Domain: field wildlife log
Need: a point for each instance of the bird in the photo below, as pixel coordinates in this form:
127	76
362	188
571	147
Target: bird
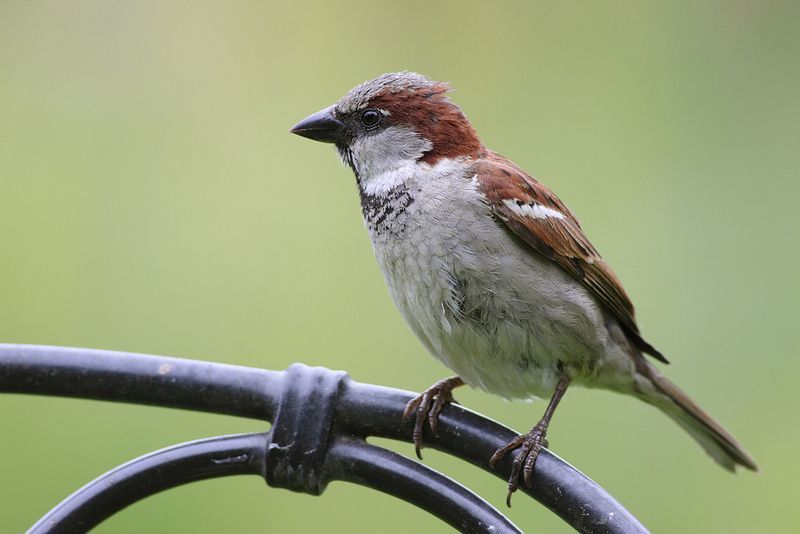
491	270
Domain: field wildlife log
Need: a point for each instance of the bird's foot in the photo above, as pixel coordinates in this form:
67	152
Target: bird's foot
531	445
428	405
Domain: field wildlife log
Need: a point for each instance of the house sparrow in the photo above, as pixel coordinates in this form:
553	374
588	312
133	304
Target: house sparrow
490	269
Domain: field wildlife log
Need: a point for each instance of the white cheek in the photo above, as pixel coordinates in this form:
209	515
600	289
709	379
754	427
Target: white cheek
386	159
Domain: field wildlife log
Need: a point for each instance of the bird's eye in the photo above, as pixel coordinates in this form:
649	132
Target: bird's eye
370	118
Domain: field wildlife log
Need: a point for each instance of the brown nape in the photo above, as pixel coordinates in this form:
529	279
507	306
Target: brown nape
433	116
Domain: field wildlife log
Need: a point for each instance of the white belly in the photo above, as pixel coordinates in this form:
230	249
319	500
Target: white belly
500	315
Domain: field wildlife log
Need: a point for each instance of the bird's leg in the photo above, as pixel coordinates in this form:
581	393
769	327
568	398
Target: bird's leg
428	405
530	443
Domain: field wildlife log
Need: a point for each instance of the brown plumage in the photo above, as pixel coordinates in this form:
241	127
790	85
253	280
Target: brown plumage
446	128
560	239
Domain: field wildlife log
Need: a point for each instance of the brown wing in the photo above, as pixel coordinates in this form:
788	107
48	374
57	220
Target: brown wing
538	217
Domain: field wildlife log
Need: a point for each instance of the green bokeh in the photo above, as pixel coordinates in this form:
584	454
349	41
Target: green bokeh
151	200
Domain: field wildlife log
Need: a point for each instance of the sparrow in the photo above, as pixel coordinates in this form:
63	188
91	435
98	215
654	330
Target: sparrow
490	270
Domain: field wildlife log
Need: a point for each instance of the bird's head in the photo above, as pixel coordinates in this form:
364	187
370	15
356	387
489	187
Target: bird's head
392	122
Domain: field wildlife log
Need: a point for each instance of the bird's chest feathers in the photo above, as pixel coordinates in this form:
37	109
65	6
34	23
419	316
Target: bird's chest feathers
413	222
414	256
501	317
423	234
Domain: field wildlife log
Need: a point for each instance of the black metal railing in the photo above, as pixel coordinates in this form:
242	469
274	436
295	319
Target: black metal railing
320	419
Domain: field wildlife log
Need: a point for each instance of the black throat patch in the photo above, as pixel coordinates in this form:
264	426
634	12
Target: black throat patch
383	213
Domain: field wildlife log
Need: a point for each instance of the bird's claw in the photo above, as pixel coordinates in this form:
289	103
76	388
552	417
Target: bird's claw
427	406
531	445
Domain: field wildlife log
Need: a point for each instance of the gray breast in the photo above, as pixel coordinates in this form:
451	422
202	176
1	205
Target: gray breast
499	315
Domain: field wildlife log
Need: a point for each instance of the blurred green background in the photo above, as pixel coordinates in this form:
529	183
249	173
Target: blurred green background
151	200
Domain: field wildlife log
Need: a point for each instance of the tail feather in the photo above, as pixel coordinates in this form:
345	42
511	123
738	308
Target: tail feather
718	442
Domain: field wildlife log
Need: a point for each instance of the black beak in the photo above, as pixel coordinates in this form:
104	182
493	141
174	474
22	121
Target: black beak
322	126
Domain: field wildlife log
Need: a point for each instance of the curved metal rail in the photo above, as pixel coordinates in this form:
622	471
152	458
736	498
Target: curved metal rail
319	421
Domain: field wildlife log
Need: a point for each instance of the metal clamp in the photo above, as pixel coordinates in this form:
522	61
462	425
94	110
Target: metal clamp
301	432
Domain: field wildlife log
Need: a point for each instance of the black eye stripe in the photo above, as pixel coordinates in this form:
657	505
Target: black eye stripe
370	118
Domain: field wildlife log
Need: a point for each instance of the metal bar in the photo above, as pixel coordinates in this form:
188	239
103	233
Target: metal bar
360	409
354	460
155	472
138	378
350	460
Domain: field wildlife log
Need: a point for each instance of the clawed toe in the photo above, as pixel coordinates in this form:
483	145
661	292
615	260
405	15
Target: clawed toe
420	407
427	406
530	446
